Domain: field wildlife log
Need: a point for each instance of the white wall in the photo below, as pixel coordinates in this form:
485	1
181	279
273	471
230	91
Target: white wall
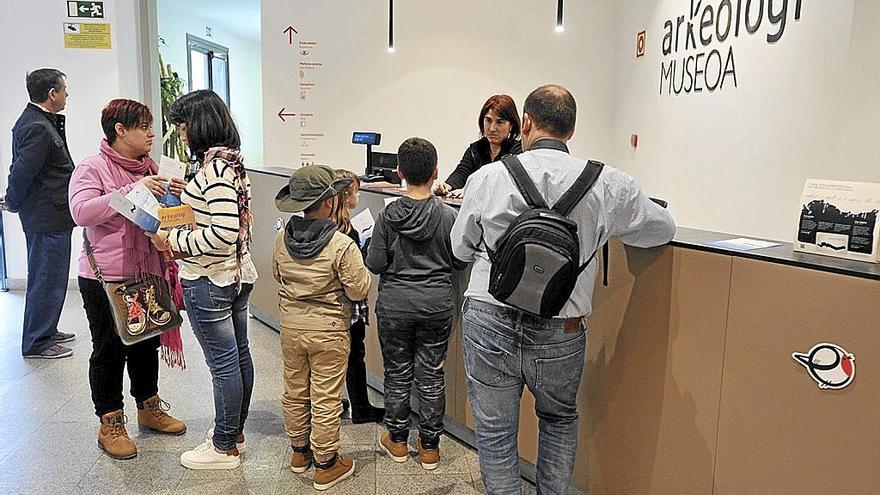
235	25
450	56
31	37
735	160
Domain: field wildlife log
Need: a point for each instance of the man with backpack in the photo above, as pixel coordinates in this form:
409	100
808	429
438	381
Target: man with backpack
531	285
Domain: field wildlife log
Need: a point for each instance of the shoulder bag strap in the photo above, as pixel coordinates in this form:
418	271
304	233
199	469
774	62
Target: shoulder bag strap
523	182
579	189
91	256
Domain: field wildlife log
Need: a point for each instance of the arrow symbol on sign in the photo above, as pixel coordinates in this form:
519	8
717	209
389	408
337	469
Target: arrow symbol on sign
83	9
290	31
281	115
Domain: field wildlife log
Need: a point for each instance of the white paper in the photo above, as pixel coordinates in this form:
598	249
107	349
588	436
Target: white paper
144	199
131	211
363	221
170	168
122	205
743	244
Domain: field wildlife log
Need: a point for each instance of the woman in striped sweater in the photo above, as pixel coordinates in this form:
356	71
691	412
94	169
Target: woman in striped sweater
218	275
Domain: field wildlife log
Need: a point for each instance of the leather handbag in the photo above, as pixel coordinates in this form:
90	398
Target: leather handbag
142	308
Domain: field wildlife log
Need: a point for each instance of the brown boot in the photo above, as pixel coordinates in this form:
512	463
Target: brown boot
398	451
328	474
113	438
152	415
429	458
301	459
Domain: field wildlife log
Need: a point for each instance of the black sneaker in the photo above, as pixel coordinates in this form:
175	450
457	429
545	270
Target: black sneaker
61	337
54	352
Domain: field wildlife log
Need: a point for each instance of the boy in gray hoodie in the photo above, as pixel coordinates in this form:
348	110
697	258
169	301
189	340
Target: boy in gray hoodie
412	254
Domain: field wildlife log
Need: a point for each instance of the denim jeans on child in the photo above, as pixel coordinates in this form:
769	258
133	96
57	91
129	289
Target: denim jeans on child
504	349
415	349
218	316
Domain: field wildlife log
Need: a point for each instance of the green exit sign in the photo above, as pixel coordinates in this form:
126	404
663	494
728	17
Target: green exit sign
91	10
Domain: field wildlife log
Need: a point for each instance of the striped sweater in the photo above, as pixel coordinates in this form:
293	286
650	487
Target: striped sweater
212	196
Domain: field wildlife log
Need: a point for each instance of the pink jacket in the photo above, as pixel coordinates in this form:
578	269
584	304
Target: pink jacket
90	189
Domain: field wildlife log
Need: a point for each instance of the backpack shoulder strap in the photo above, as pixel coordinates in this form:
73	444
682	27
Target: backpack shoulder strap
579	189
523	182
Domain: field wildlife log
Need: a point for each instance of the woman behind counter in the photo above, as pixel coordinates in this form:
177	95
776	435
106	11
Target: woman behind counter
499	135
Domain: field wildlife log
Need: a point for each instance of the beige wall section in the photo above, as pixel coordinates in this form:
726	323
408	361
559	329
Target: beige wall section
778	432
651	387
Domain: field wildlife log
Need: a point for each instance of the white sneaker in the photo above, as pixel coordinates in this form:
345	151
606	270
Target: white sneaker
238	445
205	456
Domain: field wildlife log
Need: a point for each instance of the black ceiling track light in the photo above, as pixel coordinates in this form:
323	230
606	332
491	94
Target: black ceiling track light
390	26
559	25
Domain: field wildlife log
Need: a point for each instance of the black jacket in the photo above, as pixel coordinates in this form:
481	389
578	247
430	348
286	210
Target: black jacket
477	155
411	251
40	172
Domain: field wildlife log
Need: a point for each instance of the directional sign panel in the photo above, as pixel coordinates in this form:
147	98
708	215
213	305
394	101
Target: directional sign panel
90	10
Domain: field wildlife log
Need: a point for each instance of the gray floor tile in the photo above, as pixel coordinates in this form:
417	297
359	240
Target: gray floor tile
38	488
149	472
427	484
209	486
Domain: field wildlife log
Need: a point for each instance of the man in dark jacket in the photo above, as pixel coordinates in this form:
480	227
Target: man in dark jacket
411	251
37	191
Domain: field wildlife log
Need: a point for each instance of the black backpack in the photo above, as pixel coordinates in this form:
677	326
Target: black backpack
537	260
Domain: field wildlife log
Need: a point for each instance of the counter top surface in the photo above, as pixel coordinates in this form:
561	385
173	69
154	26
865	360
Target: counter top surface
689	238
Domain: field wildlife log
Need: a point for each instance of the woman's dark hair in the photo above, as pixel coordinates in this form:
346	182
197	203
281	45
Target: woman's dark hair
506	109
41	81
208	122
129	113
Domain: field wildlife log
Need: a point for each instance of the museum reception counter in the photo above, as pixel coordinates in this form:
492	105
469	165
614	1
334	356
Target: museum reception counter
690	385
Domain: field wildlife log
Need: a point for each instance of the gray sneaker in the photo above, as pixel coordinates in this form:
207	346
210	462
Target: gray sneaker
61	337
53	352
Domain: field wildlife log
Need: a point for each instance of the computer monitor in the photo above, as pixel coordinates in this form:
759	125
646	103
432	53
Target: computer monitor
385	164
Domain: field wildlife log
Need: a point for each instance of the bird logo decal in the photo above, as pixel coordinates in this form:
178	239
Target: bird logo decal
830	365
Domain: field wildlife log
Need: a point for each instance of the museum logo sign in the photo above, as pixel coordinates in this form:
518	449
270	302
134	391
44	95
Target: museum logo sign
698	52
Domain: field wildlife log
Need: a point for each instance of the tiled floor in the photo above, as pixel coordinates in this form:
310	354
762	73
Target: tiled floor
48	430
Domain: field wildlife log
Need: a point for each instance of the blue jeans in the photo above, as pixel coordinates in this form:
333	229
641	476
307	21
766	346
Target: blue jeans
503	349
48	262
219	320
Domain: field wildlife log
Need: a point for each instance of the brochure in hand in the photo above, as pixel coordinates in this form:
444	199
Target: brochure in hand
142	208
139	206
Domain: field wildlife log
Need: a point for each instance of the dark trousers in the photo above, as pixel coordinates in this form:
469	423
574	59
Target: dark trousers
110	355
48	265
415	349
356	376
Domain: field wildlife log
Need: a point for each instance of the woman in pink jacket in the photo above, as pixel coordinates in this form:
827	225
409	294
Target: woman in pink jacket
121	252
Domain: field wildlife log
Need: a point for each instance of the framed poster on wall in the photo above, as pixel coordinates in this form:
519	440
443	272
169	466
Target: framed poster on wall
839	219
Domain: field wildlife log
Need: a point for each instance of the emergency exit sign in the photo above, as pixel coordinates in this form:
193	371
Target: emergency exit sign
91	10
